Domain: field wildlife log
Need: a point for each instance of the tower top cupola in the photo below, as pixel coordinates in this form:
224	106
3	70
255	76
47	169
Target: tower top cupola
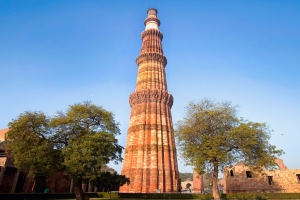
152	22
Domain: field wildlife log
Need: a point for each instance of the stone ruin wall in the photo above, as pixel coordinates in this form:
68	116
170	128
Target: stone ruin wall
198	184
282	181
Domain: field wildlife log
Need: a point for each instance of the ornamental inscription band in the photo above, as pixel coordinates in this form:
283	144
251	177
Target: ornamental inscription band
151	96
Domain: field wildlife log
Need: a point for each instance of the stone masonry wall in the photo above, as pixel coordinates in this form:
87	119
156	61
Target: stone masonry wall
282	180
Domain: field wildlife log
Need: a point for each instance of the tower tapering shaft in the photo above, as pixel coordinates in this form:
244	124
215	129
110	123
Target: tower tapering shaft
150	159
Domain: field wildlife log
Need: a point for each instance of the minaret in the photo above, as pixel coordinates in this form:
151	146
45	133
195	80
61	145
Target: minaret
150	159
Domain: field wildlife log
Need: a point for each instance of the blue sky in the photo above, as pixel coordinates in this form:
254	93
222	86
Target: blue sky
57	53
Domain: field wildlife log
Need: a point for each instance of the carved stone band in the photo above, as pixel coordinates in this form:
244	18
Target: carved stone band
144	96
152	19
151	56
152	32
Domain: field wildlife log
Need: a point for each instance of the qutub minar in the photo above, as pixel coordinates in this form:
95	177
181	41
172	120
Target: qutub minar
150	159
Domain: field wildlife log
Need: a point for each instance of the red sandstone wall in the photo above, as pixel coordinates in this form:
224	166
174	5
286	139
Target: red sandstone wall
198	184
7	180
59	184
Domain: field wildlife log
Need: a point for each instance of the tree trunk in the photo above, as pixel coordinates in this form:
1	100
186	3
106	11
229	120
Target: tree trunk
33	186
72	185
215	191
95	189
90	188
80	195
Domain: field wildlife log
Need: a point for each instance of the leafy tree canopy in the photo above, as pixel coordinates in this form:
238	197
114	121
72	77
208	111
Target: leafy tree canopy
110	180
211	136
28	142
185	176
80	141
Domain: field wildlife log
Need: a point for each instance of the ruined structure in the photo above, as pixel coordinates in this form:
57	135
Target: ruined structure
187	186
198	184
13	180
240	178
8	173
150	159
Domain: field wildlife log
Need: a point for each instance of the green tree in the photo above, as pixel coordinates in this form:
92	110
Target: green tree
211	136
29	146
80	140
110	181
185	176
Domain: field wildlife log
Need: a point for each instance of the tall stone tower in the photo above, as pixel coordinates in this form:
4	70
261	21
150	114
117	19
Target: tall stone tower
150	159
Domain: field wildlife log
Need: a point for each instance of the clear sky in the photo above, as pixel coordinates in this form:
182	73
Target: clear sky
57	53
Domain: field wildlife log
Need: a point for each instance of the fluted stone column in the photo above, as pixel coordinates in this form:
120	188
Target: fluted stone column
150	159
